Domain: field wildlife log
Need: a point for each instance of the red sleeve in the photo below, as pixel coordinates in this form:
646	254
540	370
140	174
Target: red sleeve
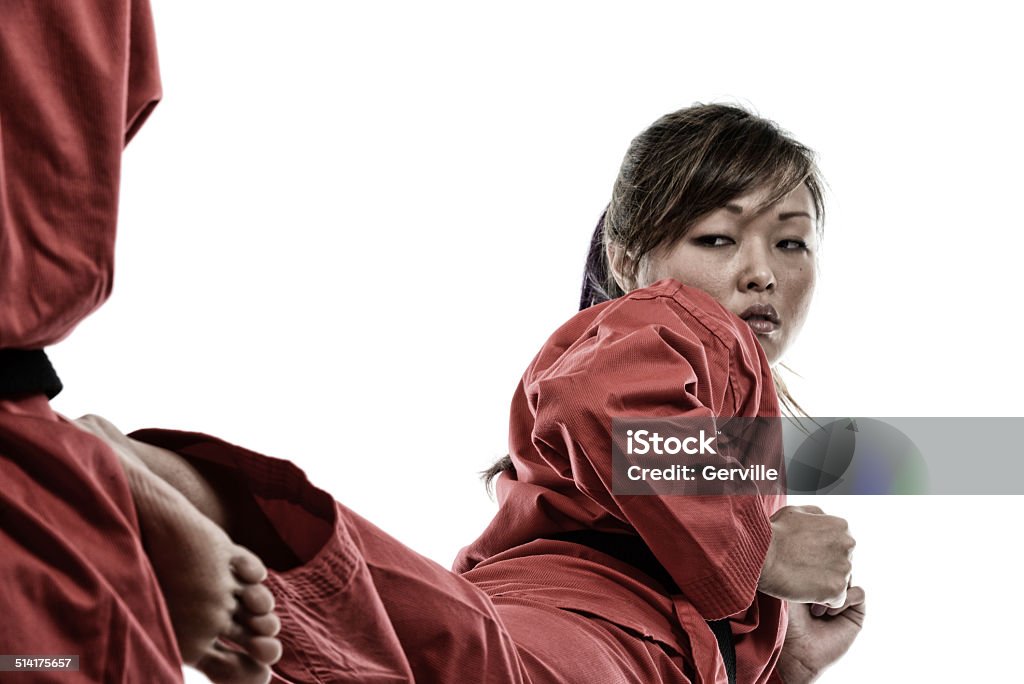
662	356
77	80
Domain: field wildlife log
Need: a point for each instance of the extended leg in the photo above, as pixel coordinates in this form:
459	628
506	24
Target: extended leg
355	604
212	586
363	607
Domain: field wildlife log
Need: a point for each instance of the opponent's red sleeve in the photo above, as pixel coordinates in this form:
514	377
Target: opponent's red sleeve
77	80
663	355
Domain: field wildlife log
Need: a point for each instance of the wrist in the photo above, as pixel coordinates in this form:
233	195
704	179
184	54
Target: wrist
766	581
793	671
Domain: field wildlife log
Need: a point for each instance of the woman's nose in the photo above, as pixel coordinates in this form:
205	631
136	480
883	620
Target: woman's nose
757	273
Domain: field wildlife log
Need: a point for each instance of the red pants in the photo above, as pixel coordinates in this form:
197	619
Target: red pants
368	609
365	608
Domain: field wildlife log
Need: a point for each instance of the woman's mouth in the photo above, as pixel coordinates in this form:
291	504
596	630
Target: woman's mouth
762	318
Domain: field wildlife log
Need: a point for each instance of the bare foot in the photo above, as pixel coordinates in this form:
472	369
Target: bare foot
213	587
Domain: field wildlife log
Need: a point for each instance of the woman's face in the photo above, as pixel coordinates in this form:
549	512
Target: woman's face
762	266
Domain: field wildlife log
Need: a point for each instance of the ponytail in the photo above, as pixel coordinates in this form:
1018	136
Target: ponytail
595	273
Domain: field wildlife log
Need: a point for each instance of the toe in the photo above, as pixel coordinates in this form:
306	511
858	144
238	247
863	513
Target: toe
267	624
248	568
262	649
266	650
257	599
224	665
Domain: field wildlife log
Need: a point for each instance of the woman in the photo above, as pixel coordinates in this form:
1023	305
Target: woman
708	257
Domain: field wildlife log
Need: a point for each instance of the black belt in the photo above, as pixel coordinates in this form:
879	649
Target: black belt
27	372
632	550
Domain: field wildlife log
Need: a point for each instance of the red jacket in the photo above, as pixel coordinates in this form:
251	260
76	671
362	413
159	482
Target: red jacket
662	351
77	80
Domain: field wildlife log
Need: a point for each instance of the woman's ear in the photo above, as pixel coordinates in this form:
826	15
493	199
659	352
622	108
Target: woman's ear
621	265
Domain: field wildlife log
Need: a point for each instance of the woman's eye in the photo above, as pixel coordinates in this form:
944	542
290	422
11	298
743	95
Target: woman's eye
714	240
793	244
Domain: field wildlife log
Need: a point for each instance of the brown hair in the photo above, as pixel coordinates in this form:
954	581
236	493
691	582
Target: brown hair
685	165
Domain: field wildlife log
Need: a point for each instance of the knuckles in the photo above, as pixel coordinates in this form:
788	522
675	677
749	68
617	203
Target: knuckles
836	585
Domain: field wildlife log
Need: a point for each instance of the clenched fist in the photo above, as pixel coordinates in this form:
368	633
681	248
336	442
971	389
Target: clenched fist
809	559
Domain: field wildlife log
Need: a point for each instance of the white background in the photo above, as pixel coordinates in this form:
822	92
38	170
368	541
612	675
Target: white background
348	228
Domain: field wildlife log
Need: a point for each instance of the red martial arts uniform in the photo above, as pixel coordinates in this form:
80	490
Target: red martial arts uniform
77	80
527	606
